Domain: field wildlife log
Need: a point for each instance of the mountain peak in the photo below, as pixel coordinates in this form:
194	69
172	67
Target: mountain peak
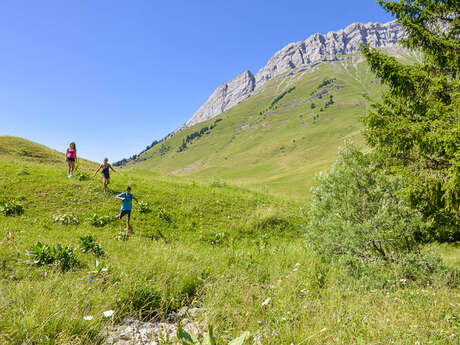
315	49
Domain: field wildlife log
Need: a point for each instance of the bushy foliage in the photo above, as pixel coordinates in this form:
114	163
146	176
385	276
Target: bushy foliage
415	129
185	338
11	208
215	238
81	175
280	97
359	219
58	255
143	207
66	219
356	210
89	245
99	221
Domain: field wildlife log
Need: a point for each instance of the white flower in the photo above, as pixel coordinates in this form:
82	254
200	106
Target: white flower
267	301
108	313
402	280
295	269
87	317
297	264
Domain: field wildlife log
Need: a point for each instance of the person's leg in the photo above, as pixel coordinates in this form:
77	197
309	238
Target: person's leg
72	167
128	217
68	168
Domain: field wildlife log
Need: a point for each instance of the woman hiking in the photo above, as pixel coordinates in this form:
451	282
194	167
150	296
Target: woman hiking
105	172
71	157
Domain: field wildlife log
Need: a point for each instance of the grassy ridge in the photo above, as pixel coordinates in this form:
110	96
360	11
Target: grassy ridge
222	248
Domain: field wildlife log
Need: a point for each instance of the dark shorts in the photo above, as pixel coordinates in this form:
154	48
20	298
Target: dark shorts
106	176
68	159
123	213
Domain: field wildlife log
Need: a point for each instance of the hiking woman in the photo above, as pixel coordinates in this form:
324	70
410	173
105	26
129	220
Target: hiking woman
71	158
105	172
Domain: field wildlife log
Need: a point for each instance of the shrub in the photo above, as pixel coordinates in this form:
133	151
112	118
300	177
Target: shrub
88	245
215	238
356	210
122	237
99	221
165	216
185	338
11	208
143	207
358	218
59	255
81	175
66	219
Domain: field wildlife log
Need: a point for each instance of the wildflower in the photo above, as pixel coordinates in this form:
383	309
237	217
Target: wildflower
295	269
297	264
90	280
266	301
264	287
402	280
259	338
108	313
87	317
348	318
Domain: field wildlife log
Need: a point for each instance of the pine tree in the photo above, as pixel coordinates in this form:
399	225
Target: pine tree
415	129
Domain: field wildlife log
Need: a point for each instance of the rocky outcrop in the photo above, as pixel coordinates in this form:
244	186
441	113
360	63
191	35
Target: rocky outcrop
225	97
298	57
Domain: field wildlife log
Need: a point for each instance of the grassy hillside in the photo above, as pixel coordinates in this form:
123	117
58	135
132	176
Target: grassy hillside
19	149
223	249
277	140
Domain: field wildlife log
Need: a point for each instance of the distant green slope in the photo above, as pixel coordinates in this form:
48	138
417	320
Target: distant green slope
19	149
277	149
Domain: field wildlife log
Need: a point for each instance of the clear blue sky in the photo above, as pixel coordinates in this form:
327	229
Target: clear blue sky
115	75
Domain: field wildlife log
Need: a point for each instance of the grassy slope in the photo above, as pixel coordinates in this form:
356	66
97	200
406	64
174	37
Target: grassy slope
281	150
222	245
19	149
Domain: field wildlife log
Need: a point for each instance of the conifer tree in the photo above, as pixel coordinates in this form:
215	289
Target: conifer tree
415	129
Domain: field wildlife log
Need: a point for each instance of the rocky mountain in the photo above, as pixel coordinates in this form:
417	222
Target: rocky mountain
297	57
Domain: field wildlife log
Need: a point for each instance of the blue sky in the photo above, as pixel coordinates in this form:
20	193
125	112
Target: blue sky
115	75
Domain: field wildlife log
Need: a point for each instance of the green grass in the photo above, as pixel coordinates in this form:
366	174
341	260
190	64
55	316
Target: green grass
224	248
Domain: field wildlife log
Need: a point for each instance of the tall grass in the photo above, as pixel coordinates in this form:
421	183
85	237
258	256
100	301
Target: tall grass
258	277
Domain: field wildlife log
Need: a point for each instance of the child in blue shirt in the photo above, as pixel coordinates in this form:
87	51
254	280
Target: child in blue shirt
126	206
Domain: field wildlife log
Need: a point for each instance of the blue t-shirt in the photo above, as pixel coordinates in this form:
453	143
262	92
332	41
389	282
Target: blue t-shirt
127	203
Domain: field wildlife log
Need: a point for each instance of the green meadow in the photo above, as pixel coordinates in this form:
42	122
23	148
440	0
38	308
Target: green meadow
238	254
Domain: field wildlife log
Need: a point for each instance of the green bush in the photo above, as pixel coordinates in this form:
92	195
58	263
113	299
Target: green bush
81	175
11	208
66	219
358	218
215	238
88	245
59	255
99	221
143	207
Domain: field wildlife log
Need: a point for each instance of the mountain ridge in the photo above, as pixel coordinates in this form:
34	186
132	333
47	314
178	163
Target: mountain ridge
297	57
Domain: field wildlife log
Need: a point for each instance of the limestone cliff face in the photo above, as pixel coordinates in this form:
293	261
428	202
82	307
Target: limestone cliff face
225	97
315	49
